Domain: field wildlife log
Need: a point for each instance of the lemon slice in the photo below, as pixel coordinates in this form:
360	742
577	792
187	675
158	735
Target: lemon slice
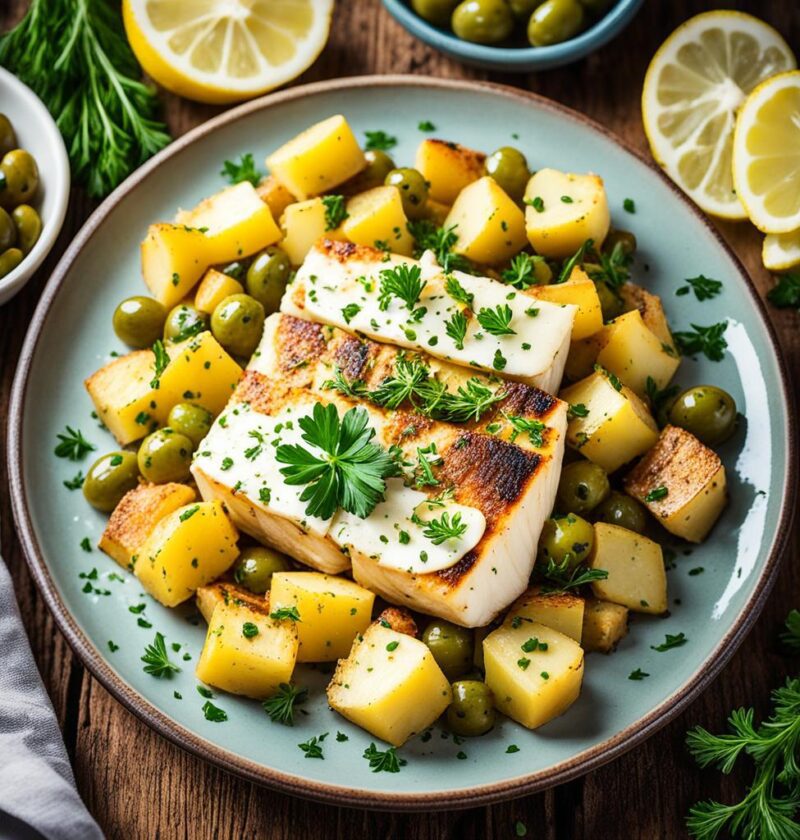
694	86
781	251
222	51
766	154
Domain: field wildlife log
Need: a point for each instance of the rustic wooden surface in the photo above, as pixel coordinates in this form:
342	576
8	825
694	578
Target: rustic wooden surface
140	786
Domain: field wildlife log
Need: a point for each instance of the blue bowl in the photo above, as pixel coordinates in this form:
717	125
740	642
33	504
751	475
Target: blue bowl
516	59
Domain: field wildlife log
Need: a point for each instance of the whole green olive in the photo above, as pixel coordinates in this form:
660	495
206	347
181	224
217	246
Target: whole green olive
379	165
567	538
109	478
9	260
583	485
237	324
255	566
610	302
436	12
620	509
555	21
624	238
706	411
190	420
413	190
183	321
19	178
483	21
139	321
523	9
165	456
472	711
451	646
267	277
8	137
29	226
8	231
509	169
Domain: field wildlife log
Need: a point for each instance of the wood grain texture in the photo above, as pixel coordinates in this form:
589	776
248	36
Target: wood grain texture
140	786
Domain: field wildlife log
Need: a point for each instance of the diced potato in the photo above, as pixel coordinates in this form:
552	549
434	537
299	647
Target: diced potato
303	224
214	288
389	685
376	216
320	158
137	514
582	357
436	211
557	228
490	226
580	291
561	611
275	195
333	611
604	626
247	652
633	352
448	168
532	685
682	482
617	426
227	592
174	258
635	565
651	309
188	548
235	223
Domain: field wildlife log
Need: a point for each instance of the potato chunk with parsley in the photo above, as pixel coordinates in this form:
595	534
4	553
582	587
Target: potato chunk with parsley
214	288
376	217
604	626
303	224
448	168
561	611
174	258
580	291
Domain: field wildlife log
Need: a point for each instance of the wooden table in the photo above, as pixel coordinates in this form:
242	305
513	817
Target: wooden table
140	786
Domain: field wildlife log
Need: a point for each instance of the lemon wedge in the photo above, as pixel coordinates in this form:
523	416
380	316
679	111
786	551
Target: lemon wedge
781	251
221	51
694	86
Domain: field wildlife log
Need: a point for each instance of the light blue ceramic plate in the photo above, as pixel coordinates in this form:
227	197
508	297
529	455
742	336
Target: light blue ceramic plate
71	336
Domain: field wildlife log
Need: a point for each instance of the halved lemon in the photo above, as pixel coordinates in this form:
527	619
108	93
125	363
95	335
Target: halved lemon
221	51
694	86
781	251
766	154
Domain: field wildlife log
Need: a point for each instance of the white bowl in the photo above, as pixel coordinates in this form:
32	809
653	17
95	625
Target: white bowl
37	133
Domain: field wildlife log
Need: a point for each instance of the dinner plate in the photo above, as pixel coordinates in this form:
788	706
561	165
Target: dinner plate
716	590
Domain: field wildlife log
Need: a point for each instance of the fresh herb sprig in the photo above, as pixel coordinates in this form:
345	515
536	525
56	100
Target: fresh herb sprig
497	321
73	445
243	169
403	282
785	294
704	288
156	659
709	341
561	577
440	530
335	211
281	706
522	272
386	761
428	237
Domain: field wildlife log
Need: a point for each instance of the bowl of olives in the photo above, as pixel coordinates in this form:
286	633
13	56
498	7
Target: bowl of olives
34	184
515	35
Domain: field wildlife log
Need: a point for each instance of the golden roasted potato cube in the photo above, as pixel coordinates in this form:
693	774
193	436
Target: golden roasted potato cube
247	652
333	611
188	548
635	565
682	482
634	353
616	426
275	195
564	210
320	158
580	291
561	611
227	592
448	168
582	357
213	289
604	625
174	258
376	216
303	224
651	309
389	685
489	224
534	672
138	512
436	211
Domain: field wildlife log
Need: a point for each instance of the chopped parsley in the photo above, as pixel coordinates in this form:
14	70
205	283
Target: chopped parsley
76	482
379	141
281	706
157	662
534	428
704	288
286	613
577	410
402	282
350	311
629	205
313	747
458	292
160	362
656	494
456	328
522	272
638	674
86	544
537	202
426	125
499	361
72	445
189	513
214	713
249	630
443	529
670	642
707	340
335	211
497	321
386	761
785	294
241	170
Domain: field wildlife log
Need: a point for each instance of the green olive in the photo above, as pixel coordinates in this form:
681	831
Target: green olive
509	169
472	711
267	278
237	269
255	566
567	538
19	178
139	321
620	509
8	231
483	21
437	12
706	411
555	21
165	456
379	165
624	238
413	190
237	324
184	321
190	420
523	9
9	260
8	137
610	302
451	647
582	487
110	478
29	226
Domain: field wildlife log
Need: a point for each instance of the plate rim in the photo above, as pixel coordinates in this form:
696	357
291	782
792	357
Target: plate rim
520	785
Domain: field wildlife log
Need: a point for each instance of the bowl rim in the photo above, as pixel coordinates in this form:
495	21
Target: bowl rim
584	762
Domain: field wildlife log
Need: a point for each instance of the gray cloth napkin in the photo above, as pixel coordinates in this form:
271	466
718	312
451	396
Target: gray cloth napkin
38	797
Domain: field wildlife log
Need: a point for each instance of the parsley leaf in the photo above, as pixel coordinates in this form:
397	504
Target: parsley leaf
456	328
76	482
458	292
575	260
522	272
559	577
73	445
429	237
426	125
403	282
214	713
285	614
379	141
160	362
497	321
242	170
313	747
707	340
335	211
443	529
469	402
534	428
656	494
786	293
704	288
386	761
157	662
670	642
280	707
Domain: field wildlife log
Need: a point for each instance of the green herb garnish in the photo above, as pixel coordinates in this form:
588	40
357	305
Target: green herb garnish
534	428
522	272
443	529
76	482
402	282
707	340
160	362
656	494
386	761
285	613
242	170
497	321
281	706
214	713
335	211
704	288
638	674
313	747
456	328
157	662
575	260
785	294
73	445
379	141
458	292
670	642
